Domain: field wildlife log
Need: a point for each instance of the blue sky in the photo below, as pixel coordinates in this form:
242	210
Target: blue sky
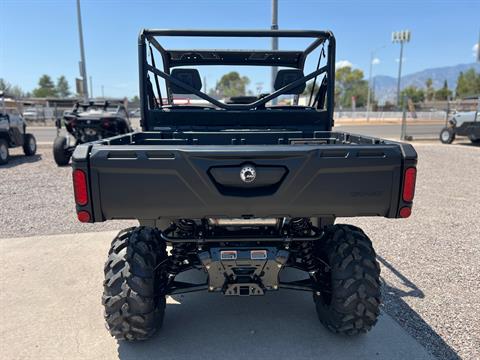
38	37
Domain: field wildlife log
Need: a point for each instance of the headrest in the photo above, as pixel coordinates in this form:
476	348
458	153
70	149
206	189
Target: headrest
287	76
190	77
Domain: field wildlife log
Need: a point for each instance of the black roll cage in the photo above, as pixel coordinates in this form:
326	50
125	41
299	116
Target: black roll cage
176	58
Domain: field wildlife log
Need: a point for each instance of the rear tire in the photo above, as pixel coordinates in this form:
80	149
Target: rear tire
350	301
4	153
29	145
447	135
474	140
60	153
135	285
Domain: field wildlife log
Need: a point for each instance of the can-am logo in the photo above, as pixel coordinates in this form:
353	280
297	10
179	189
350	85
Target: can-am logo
248	174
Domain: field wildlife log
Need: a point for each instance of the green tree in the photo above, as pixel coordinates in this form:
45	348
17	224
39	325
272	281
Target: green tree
46	87
443	93
350	83
232	84
430	91
135	101
468	83
308	88
10	90
415	94
62	88
4	85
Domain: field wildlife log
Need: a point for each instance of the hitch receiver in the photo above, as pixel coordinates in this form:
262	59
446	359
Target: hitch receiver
243	271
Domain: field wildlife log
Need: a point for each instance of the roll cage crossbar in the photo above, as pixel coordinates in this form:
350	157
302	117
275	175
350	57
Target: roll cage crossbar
177	58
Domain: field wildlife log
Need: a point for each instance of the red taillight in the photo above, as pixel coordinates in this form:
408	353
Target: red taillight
83	216
409	184
106	123
80	187
405	212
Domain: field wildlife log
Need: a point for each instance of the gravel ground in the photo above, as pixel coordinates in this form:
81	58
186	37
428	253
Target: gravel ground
430	262
36	198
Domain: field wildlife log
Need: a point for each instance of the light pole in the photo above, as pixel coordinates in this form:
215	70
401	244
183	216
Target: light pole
400	37
91	87
83	68
274	42
370	88
478	48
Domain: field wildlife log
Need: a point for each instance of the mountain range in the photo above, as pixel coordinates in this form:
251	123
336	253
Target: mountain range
386	86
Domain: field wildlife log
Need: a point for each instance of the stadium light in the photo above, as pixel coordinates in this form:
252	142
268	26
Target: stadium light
400	37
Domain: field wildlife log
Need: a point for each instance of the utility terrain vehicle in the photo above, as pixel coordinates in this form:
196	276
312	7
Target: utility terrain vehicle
240	190
89	122
463	123
13	133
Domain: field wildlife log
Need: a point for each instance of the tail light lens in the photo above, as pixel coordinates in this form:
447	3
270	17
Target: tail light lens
80	187
106	123
83	216
409	184
405	212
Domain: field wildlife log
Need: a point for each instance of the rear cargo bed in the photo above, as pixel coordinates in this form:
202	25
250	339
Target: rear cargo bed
196	175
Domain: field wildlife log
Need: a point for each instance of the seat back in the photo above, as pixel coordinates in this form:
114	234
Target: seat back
190	77
287	76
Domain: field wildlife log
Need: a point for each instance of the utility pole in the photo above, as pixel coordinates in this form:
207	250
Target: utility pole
478	48
83	68
274	43
91	87
370	86
400	37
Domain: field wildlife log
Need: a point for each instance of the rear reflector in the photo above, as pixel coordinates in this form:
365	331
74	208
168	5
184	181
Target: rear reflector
405	212
80	187
83	216
409	184
228	255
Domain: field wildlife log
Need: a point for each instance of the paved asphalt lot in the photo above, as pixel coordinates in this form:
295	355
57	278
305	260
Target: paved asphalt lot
430	266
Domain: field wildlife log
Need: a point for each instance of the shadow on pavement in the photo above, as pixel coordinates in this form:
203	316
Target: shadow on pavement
280	324
466	143
395	305
16	160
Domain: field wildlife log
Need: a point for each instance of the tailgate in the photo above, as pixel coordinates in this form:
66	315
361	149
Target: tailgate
196	181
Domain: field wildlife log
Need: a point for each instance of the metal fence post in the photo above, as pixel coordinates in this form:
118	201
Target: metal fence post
448	110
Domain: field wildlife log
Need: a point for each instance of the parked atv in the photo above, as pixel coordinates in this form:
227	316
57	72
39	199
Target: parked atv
463	123
13	133
240	190
89	122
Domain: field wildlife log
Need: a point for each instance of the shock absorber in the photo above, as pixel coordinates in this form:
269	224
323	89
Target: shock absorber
183	228
307	255
179	254
305	249
300	226
186	228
